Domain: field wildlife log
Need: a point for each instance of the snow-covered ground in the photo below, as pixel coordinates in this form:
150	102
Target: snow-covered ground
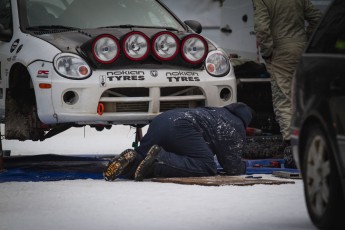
97	204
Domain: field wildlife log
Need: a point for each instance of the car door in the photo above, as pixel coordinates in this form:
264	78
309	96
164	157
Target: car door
329	42
5	27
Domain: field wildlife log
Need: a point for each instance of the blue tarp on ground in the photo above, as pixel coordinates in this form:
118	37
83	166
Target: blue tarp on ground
57	167
26	175
267	166
51	167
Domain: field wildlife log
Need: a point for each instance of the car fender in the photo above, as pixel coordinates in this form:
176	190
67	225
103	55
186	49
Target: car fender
27	52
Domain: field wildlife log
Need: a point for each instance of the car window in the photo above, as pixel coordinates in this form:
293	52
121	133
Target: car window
6	14
101	13
330	35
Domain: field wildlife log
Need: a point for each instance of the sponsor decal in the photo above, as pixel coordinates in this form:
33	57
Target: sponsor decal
102	81
126	75
43	73
182	76
154	73
183	79
14	45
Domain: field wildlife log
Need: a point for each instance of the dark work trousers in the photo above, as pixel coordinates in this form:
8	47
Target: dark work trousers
184	151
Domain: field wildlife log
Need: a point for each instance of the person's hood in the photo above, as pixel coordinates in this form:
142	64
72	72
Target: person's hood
241	110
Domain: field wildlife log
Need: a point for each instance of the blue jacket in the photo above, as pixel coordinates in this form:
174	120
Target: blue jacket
223	128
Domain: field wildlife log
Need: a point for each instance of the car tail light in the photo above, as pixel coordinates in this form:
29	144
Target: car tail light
136	46
194	49
105	48
165	46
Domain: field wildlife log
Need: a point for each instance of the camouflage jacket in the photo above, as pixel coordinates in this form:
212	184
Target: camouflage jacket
277	22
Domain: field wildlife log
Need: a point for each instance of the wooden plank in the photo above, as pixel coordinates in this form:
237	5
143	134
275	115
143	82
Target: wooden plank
284	174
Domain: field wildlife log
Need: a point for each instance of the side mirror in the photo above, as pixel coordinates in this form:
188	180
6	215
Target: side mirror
5	35
194	25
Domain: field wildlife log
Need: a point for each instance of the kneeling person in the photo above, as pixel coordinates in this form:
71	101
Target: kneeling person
183	142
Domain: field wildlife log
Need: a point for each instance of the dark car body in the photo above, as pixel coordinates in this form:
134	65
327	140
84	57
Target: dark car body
318	125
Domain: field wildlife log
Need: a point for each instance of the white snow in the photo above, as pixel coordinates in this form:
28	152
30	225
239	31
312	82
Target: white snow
97	204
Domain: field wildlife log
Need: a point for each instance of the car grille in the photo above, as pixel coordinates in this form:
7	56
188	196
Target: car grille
151	100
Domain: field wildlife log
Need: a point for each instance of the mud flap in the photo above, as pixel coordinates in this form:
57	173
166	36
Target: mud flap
21	117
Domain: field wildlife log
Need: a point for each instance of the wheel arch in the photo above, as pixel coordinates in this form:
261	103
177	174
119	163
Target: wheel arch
19	77
335	203
312	120
309	122
21	121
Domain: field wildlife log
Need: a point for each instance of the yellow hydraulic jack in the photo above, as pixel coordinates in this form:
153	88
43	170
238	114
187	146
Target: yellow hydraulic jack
138	136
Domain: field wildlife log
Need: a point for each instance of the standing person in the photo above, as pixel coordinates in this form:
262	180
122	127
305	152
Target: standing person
280	27
183	142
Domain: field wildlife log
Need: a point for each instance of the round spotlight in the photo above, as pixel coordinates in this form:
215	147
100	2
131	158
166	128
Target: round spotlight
165	45
136	46
194	49
105	48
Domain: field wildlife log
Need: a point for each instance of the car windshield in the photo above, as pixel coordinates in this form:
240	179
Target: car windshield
85	14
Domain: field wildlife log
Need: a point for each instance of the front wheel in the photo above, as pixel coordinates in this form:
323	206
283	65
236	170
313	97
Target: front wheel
322	188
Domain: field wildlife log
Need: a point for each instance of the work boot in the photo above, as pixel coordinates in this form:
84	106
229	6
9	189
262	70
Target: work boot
146	166
289	162
119	164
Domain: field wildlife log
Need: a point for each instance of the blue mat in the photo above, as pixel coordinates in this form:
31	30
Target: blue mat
263	166
23	175
57	167
50	167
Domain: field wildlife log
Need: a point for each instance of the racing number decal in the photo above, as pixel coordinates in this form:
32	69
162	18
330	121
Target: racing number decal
19	48
14	45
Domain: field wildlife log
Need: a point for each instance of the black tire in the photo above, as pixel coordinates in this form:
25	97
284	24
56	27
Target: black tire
322	189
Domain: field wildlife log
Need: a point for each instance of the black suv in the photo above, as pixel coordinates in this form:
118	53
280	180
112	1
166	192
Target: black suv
318	125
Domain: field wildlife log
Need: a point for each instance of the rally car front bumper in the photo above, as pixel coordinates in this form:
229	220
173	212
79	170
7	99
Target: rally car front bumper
132	96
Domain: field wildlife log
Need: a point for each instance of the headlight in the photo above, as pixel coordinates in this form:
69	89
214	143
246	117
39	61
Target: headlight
217	63
136	46
194	49
165	46
105	48
71	66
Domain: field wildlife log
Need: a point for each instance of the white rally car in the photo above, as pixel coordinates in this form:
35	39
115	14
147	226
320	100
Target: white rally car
68	63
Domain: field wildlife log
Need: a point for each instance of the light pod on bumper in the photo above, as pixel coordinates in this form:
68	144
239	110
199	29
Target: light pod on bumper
105	48
136	46
165	45
194	49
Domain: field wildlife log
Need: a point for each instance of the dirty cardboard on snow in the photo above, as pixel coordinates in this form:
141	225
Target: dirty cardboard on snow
221	180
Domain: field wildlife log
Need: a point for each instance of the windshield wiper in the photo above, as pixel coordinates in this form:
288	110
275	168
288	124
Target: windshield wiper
51	27
137	26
